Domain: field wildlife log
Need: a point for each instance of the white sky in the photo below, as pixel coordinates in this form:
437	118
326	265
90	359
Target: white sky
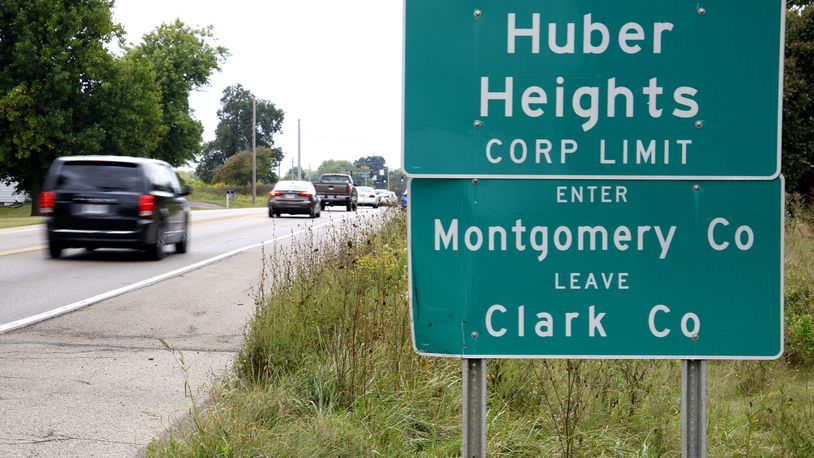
336	65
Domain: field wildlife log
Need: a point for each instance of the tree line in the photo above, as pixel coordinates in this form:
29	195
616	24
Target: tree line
62	92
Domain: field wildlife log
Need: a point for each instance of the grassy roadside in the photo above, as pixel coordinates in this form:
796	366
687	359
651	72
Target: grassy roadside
216	194
15	217
327	369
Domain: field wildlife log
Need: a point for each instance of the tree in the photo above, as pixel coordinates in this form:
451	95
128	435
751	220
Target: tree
234	131
798	100
237	170
373	163
127	109
183	60
52	57
334	166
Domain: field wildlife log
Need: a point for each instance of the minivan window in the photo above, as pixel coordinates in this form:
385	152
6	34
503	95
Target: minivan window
99	176
176	186
159	180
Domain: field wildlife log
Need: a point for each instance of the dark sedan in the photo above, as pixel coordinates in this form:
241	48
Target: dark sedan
294	197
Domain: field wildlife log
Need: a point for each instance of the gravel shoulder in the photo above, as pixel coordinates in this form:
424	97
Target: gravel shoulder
100	382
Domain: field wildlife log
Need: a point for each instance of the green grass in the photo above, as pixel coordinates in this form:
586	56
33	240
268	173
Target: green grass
217	196
14	217
327	369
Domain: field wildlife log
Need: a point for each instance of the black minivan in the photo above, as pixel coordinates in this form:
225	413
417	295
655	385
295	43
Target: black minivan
114	202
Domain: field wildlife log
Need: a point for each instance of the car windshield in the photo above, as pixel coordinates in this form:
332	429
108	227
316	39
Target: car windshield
100	176
334	179
293	186
381	192
364	189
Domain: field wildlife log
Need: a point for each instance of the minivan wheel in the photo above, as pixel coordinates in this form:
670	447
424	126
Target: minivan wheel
271	213
181	246
156	251
54	250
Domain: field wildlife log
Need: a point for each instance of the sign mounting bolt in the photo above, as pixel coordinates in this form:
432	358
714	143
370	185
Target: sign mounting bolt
699	124
694	337
477	14
701	11
696	187
474	181
477	124
474	334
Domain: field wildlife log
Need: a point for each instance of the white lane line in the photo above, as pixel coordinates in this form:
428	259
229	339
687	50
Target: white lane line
30	228
4	328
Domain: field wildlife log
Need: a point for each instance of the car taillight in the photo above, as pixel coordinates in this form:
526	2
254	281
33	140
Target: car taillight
146	205
275	193
305	194
347	187
46	203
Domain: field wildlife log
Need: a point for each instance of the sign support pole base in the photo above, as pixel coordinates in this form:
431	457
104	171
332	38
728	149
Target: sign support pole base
474	408
693	408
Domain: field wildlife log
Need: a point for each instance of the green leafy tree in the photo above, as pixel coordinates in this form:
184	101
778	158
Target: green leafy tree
237	170
334	166
183	60
127	108
798	100
234	131
373	163
52	61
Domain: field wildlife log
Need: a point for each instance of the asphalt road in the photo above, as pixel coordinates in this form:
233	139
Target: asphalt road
32	284
100	381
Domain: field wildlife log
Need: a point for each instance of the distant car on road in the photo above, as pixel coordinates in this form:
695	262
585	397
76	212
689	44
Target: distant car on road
337	189
367	196
114	202
294	197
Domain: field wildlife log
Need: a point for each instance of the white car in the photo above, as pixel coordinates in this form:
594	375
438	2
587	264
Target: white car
386	197
367	196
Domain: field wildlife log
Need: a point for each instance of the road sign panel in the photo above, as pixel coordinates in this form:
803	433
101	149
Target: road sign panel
606	269
634	88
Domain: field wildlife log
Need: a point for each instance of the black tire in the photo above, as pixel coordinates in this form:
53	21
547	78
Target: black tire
319	213
271	213
354	207
313	212
349	206
322	205
183	244
375	205
54	250
156	250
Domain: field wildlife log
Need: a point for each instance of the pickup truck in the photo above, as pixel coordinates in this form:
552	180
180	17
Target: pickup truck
337	189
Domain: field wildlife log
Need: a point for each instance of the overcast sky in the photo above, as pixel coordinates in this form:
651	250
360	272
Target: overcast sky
336	65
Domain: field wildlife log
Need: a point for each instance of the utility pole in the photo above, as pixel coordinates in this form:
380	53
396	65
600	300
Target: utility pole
299	157
254	153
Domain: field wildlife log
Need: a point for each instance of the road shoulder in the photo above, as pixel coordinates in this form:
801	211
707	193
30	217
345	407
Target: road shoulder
100	382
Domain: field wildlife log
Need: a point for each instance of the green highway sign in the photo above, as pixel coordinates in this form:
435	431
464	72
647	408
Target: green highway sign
597	269
672	89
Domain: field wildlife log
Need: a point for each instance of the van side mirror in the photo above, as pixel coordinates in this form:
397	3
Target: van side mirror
185	191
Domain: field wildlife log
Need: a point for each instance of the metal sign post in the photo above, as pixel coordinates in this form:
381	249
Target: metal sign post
693	408
474	408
